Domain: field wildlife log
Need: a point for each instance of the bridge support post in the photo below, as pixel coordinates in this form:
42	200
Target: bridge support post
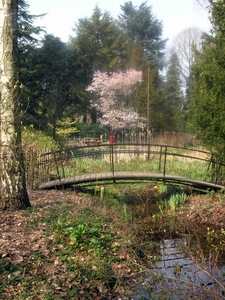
112	158
164	166
160	159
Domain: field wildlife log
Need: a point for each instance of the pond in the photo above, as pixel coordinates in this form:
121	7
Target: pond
177	276
188	264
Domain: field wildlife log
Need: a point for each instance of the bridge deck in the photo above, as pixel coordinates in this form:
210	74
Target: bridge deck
109	176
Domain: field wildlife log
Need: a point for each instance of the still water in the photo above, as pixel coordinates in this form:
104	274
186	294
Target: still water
176	276
180	274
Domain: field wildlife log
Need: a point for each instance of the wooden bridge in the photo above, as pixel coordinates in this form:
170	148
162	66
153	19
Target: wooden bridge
129	176
114	154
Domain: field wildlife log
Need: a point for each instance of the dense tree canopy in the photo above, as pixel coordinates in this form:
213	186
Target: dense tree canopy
174	98
55	74
98	39
132	41
27	32
54	80
207	106
28	42
139	25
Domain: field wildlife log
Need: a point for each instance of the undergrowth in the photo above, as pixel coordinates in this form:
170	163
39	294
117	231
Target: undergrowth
98	249
89	254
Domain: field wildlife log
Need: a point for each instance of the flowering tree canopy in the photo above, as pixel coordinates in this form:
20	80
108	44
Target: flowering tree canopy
113	91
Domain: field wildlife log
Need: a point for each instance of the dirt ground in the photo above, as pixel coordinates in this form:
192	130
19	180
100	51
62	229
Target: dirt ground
16	242
208	210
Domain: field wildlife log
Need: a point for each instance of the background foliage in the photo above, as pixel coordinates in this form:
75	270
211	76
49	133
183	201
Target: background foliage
182	88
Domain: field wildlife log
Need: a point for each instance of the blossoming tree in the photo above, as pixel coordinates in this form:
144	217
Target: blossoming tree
113	92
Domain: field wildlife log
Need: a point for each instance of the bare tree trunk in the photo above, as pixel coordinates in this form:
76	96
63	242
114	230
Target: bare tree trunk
12	173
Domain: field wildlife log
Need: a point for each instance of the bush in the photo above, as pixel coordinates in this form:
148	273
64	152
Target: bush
92	130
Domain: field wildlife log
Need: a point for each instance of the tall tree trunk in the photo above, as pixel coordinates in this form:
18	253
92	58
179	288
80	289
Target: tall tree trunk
12	174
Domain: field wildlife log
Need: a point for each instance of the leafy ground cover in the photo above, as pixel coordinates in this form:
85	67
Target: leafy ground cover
65	247
73	246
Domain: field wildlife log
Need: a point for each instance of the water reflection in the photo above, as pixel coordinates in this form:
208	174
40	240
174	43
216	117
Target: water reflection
176	276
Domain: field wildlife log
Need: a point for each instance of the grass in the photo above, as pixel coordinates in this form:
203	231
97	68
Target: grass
95	160
195	170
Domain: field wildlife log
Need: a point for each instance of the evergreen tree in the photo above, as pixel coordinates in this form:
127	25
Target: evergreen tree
207	105
174	98
54	79
98	39
148	100
140	26
28	40
99	46
145	51
27	32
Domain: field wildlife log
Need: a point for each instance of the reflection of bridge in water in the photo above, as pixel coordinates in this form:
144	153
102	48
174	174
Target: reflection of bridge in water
176	165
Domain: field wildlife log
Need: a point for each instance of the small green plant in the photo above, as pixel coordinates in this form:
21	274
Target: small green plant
176	200
177	269
216	239
162	205
173	202
76	234
210	236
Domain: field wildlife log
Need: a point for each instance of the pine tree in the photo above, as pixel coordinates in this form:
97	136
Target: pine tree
98	40
207	105
28	41
174	98
139	25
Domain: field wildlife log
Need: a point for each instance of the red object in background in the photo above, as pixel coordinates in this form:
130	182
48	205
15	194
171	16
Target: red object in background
112	139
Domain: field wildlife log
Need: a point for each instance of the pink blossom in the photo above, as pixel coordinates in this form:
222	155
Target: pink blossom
113	91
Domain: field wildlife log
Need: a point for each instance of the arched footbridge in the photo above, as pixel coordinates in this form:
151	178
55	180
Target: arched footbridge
122	163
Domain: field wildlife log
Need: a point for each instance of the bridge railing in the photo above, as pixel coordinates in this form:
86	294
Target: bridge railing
159	158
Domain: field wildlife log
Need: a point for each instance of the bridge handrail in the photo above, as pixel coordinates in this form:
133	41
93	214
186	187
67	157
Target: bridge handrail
123	144
160	149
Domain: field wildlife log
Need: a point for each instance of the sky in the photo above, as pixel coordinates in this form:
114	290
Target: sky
176	15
